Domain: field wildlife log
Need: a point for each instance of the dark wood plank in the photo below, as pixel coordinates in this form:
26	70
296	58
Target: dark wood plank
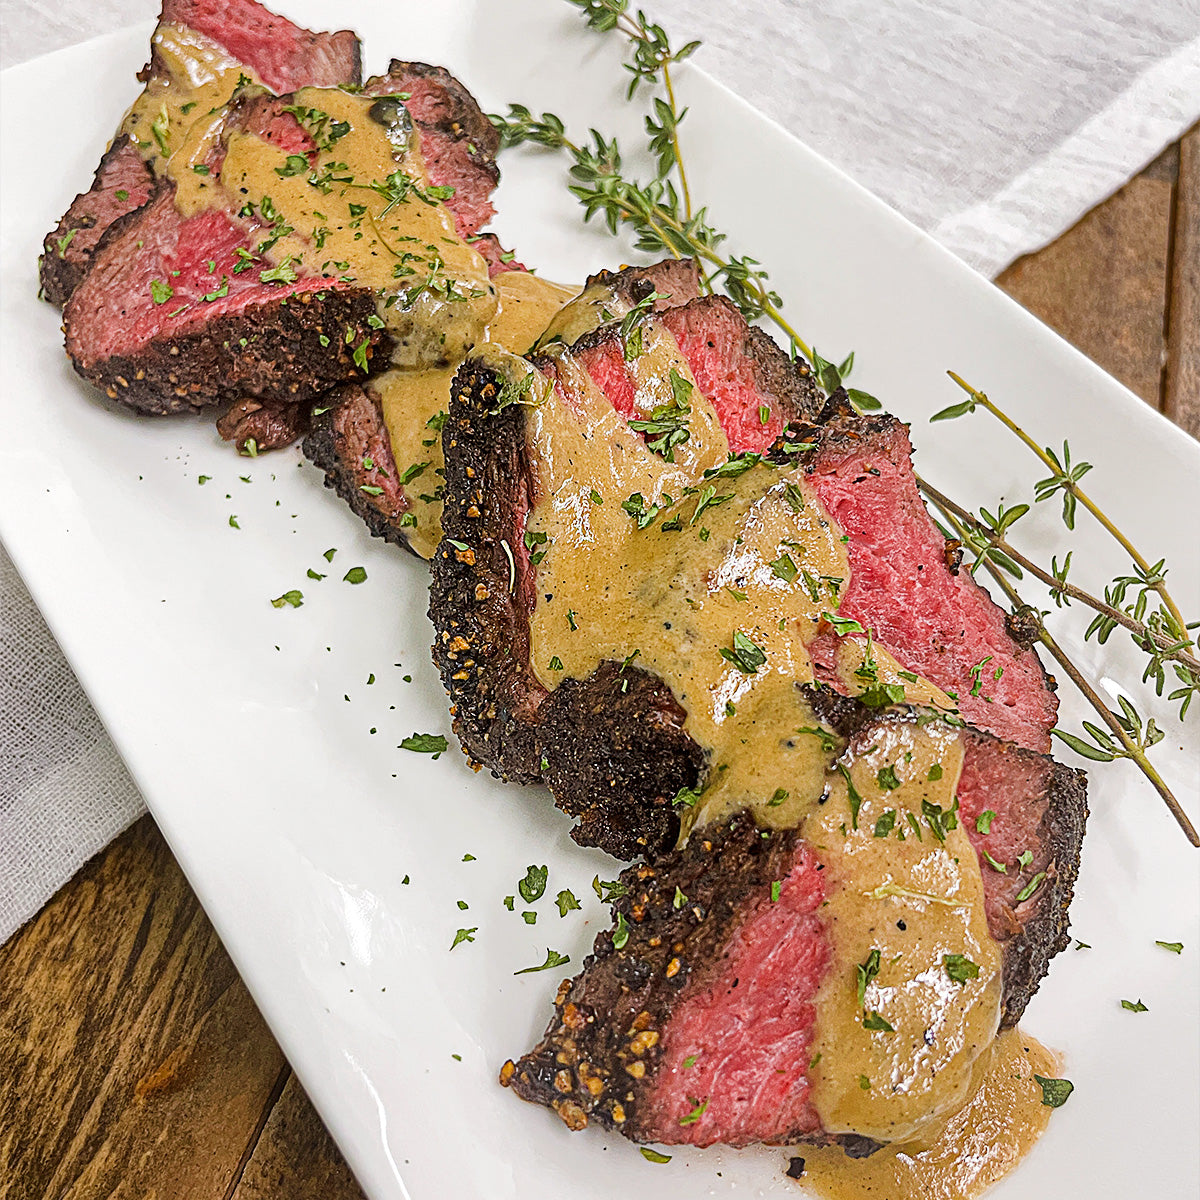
1181	398
134	1062
1103	284
295	1158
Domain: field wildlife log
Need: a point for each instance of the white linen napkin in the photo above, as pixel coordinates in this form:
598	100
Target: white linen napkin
992	126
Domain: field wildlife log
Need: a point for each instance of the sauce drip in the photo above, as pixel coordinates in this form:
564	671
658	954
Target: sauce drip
196	78
415	401
967	1152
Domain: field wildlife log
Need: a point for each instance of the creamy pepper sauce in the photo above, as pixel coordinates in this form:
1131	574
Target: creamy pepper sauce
719	593
962	1155
198	77
415	401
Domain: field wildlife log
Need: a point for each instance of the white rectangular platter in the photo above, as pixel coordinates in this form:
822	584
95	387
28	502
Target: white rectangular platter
330	860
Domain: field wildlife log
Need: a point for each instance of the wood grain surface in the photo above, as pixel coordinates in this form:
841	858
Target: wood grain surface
134	1063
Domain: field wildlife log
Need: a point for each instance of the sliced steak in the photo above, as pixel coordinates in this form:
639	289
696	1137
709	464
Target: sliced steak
122	184
349	432
283	55
693	1020
458	142
482	596
934	618
1038	807
936	622
186	345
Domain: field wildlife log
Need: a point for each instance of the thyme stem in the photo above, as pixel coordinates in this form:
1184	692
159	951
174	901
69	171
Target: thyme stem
1137	628
679	168
1132	750
1160	587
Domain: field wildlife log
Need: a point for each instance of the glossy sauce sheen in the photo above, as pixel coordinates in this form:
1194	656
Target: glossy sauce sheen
412	400
199	77
673	599
431	288
961	1156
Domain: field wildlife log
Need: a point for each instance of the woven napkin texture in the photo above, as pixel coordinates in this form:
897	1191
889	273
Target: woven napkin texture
992	126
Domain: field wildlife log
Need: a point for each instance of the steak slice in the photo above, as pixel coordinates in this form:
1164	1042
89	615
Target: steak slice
283	55
634	756
937	623
224	322
934	618
458	146
693	1020
1038	806
260	338
349	431
458	142
122	183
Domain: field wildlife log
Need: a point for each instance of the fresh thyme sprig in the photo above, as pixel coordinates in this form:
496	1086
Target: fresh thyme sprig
1161	630
1131	737
661	218
986	543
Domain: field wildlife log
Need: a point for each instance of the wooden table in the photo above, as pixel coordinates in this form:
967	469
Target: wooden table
134	1062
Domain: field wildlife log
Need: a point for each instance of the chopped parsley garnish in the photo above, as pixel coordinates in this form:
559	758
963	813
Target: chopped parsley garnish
530	918
464	935
635	506
960	968
778	797
877	1023
865	972
996	866
566	902
776	889
940	821
983	822
122	194
885	824
296	164
294	598
745	655
697	1112
608	889
708	499
667	426
686	797
864	1083
355	575
160	292
842	625
1031	887
426	743
1174	947
935	773
690	1061
680	899
852	793
621	933
784	568
328	555
887	778
233	522
828	742
556	663
203	479
1054	1091
534	884
284	273
1134	1006
571	619
653	1155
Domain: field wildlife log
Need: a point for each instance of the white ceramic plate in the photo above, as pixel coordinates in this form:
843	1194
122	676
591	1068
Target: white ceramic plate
272	765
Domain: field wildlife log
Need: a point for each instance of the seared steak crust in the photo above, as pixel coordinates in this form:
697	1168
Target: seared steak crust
68	248
614	754
607	754
609	1018
209	363
346	433
1038	806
